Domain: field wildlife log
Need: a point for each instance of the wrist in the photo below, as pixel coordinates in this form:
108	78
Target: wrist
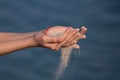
36	39
31	40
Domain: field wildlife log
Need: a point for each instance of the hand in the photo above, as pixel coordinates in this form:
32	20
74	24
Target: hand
73	40
82	31
50	42
59	30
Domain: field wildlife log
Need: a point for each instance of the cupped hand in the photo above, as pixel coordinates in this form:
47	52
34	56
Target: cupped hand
59	30
44	40
75	39
68	38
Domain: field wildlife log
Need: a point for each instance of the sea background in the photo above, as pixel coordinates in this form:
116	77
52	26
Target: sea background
99	57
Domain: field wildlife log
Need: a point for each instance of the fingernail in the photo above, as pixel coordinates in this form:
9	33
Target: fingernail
75	41
86	29
83	27
77	46
84	36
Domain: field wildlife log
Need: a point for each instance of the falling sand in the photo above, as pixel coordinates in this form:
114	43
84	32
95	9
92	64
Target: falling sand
65	52
64	59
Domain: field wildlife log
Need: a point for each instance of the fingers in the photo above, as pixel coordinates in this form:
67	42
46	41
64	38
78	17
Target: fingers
80	37
69	36
51	46
83	30
69	44
47	39
66	33
52	42
75	46
74	39
75	36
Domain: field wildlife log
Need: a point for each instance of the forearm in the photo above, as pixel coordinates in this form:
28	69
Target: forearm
6	36
14	45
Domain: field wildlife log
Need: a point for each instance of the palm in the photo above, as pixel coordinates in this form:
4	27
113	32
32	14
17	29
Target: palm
57	31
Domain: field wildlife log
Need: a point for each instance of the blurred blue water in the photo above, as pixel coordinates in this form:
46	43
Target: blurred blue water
100	52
